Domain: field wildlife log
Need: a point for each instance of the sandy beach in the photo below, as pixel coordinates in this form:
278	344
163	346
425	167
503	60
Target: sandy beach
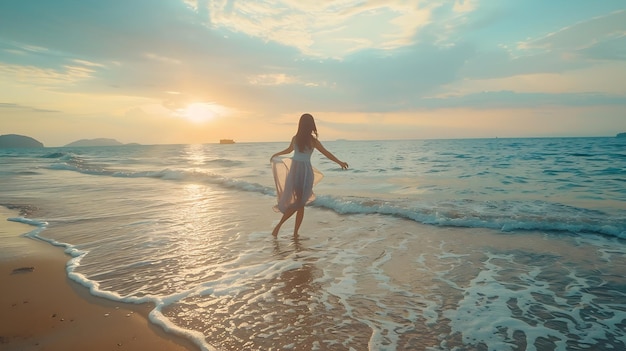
41	309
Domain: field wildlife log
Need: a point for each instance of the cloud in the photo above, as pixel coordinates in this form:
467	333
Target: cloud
610	49
45	77
581	35
552	68
514	100
12	106
273	79
463	6
332	28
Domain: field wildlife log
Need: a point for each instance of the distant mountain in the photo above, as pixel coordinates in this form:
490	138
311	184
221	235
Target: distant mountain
95	142
18	141
621	135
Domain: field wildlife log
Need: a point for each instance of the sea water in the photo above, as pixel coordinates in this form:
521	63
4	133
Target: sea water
476	244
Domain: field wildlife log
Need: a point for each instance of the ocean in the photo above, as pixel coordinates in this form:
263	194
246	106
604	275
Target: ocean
472	244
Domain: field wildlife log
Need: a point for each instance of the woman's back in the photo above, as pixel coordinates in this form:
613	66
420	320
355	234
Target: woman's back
303	156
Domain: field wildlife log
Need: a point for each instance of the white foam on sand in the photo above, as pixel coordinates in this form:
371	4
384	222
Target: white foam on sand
155	316
495	311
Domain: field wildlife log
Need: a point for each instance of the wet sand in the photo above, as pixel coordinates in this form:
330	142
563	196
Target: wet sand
41	309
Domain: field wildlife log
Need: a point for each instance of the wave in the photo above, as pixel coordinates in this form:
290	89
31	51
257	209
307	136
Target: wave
167	174
224	162
19	173
41	225
611	171
54	155
506	216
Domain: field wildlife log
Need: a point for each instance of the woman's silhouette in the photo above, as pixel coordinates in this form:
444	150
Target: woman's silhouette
295	177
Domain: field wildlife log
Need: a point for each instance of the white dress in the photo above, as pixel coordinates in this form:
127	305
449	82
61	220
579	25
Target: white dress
294	180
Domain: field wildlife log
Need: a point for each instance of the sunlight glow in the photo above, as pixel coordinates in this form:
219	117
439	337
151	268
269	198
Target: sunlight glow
201	112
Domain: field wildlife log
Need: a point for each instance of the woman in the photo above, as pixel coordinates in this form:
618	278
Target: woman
295	177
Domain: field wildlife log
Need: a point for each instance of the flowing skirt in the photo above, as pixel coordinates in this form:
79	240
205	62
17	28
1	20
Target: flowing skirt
294	183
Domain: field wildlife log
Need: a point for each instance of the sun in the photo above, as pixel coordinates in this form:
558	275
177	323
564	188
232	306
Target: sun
201	112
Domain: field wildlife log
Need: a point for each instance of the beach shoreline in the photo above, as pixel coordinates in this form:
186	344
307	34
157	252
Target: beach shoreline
42	309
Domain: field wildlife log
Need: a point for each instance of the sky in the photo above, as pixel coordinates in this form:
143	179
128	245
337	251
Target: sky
196	71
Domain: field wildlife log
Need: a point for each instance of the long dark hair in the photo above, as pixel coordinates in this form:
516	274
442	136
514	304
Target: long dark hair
306	131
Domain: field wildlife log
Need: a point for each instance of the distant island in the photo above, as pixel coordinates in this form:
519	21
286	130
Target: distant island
227	141
621	135
94	142
18	141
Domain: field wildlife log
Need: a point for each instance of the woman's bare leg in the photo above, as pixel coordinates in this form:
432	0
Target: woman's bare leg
299	217
286	216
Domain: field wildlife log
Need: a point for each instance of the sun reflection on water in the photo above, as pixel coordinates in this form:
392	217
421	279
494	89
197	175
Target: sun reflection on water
195	154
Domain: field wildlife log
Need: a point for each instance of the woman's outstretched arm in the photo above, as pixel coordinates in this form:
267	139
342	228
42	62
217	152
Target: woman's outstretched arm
284	152
330	156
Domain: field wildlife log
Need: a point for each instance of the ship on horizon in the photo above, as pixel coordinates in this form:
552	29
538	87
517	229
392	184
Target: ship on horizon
227	141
